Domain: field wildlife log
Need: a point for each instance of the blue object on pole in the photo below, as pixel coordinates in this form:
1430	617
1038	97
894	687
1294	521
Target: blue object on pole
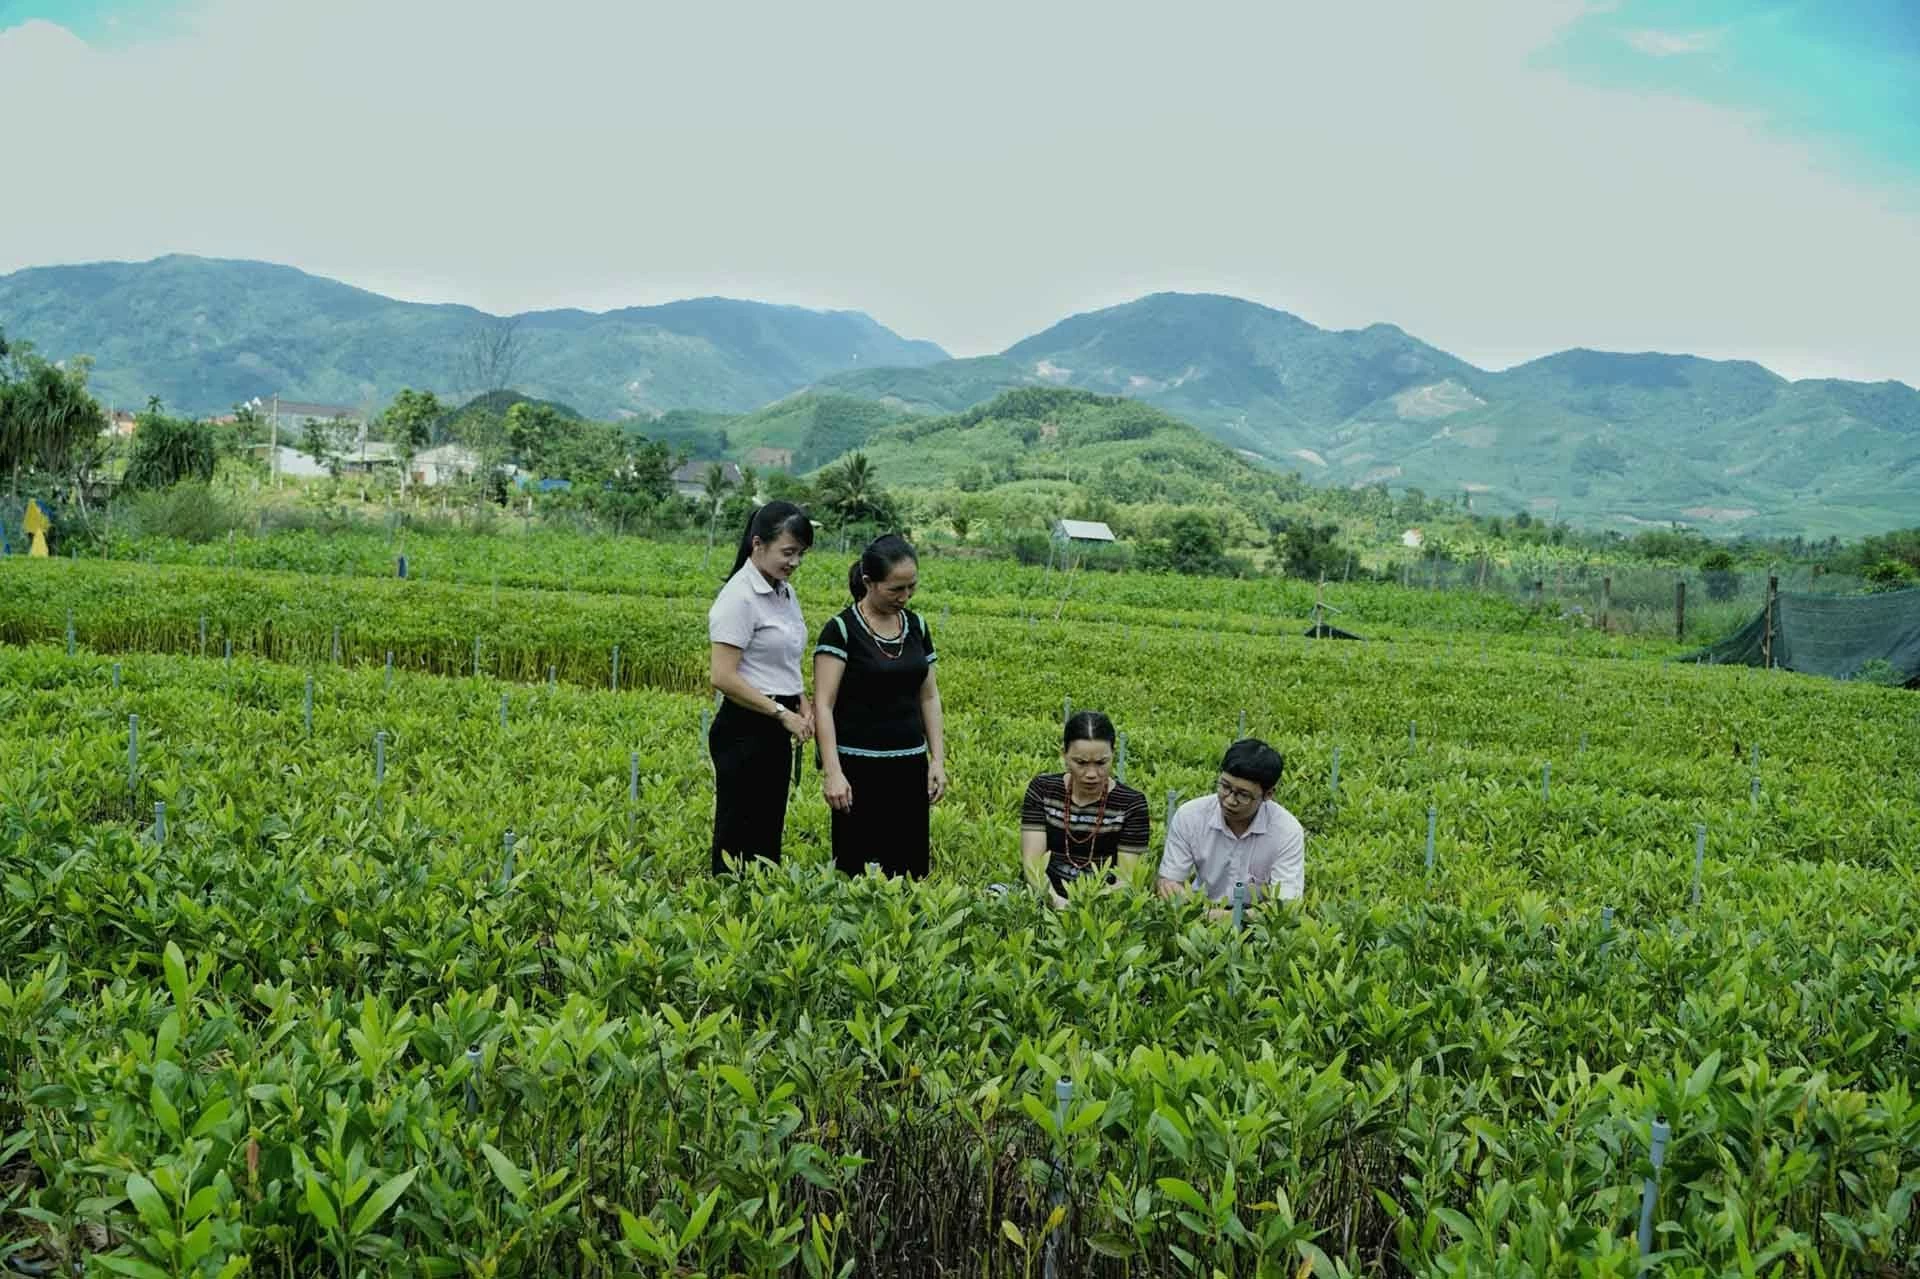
401	566
1650	1190
1699	858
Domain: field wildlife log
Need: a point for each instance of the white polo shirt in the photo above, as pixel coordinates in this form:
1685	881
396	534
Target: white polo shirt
1201	849
761	619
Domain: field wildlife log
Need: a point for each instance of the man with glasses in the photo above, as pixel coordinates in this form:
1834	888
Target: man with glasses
1237	834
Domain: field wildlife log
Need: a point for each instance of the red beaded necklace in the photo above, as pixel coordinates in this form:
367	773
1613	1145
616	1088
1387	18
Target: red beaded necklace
1091	839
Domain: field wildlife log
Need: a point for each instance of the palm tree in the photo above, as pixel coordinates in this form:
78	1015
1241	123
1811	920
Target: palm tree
851	490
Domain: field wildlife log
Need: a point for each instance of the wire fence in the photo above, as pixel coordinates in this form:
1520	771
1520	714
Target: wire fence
1690	604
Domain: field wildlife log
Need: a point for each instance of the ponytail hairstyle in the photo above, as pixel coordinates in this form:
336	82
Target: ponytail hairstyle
767	523
1087	726
882	556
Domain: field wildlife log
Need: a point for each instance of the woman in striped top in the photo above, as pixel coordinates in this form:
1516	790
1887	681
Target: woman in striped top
1082	822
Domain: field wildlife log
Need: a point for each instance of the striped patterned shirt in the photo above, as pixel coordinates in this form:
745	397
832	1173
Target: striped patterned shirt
1124	827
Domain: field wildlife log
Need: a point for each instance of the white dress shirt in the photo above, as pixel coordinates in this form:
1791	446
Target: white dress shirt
761	619
1202	849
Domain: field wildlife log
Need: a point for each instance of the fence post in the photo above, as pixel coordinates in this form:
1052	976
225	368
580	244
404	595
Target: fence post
1680	611
1766	641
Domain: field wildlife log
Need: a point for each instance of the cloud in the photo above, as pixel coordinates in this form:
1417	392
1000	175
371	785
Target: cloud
1669	44
967	176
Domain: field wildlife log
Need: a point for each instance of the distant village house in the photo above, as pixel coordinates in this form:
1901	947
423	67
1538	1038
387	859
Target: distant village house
690	478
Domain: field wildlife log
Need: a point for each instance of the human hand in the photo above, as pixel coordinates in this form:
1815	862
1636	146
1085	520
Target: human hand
838	791
936	782
807	730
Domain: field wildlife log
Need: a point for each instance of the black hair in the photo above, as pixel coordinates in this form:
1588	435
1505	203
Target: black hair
1088	726
767	523
1253	760
882	556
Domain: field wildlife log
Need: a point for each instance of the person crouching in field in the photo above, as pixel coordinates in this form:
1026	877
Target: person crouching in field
877	708
1238	834
758	636
1080	822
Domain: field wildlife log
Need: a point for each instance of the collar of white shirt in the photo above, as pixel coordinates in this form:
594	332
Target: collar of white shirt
758	581
1258	826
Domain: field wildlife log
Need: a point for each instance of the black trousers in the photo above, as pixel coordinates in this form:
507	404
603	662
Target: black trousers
752	769
888	824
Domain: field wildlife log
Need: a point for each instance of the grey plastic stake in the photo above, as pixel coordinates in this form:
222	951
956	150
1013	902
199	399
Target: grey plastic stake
1241	734
1583	742
69	632
1066	709
379	757
386	682
1333	785
616	668
306	706
506	867
473	1073
1062	1094
1699	858
159	821
633	777
1433	817
336	643
116	676
133	750
503	712
551	681
476	657
229	654
1650	1191
1753	789
1239	905
1120	764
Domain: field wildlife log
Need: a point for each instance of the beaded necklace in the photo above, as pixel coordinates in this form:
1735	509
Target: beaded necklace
1091	839
899	641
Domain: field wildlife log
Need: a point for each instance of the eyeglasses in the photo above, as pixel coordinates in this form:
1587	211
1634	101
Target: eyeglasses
1238	794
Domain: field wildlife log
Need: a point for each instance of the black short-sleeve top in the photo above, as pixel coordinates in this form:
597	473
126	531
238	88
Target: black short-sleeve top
877	711
1100	831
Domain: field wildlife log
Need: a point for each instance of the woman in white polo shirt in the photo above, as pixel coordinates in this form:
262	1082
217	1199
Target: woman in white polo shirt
758	636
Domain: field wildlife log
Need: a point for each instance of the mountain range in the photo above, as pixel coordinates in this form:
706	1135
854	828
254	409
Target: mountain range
1589	436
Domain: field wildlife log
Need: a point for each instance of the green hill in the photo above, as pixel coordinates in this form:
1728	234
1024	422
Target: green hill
204	334
1599	438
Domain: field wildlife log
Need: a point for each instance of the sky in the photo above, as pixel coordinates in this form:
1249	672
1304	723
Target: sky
1501	178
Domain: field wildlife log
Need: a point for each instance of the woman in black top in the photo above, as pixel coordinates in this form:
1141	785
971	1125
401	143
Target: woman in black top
1081	822
877	717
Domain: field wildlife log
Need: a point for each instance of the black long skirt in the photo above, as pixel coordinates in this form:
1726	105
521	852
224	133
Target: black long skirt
752	769
888	824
